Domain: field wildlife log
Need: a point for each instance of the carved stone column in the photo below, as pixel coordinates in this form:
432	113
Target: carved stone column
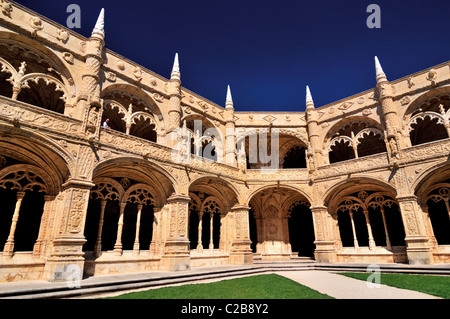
355	239
429	226
418	246
222	241
388	240
156	244
259	234
66	258
138	228
9	245
200	232
118	244
286	245
324	236
369	230
176	248
39	246
211	231
241	252
98	243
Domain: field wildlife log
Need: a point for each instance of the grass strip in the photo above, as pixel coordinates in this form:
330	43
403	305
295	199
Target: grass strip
438	286
269	286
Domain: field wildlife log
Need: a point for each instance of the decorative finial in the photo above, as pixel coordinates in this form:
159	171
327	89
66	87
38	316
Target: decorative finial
379	71
309	100
176	69
229	100
99	29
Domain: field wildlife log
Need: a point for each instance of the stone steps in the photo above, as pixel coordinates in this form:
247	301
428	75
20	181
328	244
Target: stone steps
113	283
96	285
441	269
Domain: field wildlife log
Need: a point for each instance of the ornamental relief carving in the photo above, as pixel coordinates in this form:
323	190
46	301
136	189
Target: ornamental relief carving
75	211
39	118
410	218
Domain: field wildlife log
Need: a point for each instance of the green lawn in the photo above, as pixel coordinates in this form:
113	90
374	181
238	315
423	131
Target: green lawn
270	286
433	285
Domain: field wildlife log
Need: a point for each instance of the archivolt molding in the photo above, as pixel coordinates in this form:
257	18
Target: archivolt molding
19	80
141	194
346	122
367	132
107	189
34	138
142	116
300	193
431	115
23	177
116	105
110	189
428	178
130	117
443	193
211	205
48	79
195	203
338	139
35	50
298	202
364	201
334	194
424	98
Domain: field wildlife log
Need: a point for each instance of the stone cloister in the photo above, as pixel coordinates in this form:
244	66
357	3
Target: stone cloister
365	179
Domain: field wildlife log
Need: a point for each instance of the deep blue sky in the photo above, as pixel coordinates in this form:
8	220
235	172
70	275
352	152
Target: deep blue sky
268	51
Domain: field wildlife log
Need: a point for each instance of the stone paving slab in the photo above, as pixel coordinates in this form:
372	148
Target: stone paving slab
342	287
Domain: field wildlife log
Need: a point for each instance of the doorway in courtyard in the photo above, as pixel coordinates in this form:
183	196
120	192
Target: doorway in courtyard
281	224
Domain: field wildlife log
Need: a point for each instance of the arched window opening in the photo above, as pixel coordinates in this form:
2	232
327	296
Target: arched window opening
427	129
120	217
44	95
129	114
370	219
29	78
370	143
439	212
206	141
5	87
204	223
301	230
355	139
295	158
341	151
22	194
144	128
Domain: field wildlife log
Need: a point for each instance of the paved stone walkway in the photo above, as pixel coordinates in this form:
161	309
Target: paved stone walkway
342	287
326	282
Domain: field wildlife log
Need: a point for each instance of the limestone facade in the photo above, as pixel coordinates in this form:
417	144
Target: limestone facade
364	179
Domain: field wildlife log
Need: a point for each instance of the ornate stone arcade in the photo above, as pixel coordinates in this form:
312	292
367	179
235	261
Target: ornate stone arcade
364	179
